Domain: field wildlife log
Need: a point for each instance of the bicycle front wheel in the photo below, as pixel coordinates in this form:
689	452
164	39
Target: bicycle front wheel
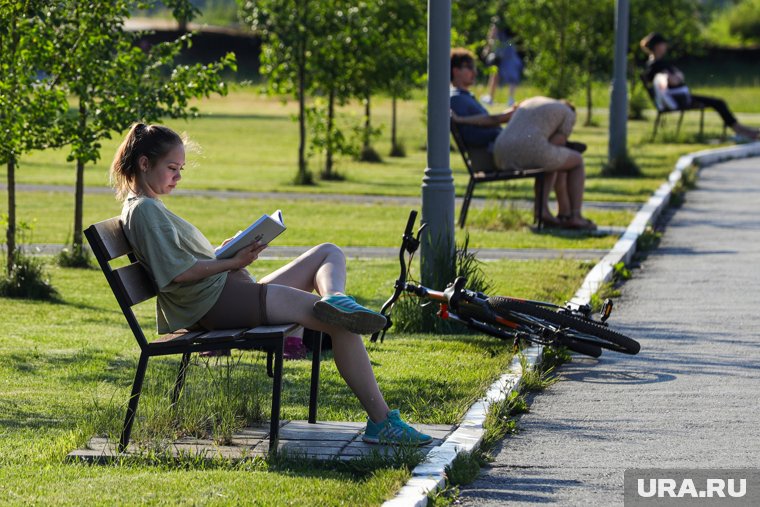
571	328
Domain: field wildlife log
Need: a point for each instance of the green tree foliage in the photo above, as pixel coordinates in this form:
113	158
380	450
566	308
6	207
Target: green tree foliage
31	104
287	28
332	57
116	82
470	20
678	20
744	20
554	32
570	42
403	56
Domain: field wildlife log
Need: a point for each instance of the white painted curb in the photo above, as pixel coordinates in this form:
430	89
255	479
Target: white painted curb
430	474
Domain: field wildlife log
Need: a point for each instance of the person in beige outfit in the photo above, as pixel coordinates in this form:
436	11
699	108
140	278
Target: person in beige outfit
535	136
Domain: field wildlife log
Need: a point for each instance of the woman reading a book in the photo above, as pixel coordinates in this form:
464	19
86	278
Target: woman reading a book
197	290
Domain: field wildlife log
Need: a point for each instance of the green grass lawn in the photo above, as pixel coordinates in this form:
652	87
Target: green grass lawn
309	222
66	368
248	142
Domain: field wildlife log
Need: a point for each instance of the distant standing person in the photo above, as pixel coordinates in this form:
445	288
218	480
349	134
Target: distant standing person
502	54
671	90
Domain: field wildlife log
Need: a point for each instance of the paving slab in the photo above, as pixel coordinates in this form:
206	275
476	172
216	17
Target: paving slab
689	399
322	441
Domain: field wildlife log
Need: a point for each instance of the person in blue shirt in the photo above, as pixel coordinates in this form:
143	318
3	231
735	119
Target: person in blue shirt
463	103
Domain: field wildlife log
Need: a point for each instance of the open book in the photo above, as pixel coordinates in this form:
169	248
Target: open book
263	230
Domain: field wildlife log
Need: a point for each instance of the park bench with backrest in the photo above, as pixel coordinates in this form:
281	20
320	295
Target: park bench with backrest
131	285
480	165
661	110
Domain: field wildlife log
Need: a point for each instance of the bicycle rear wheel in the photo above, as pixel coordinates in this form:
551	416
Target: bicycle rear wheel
581	347
572	328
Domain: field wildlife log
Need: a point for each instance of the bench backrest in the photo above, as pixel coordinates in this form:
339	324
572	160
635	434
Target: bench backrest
477	159
649	87
131	284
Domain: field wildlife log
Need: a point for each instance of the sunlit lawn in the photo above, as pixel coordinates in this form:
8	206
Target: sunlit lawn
249	142
64	367
309	222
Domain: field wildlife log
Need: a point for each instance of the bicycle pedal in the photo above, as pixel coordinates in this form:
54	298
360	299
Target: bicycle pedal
606	310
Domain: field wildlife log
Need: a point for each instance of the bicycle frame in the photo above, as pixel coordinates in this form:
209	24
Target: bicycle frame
451	299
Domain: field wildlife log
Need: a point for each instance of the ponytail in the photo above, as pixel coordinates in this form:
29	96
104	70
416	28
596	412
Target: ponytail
152	141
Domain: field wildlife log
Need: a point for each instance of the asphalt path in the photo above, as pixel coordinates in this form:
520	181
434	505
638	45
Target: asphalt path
689	399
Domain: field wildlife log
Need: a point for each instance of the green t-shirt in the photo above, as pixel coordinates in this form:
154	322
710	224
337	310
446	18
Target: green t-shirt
168	246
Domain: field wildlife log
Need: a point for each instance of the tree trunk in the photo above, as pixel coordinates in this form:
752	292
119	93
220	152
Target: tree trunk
367	123
589	105
394	143
10	233
302	178
301	119
79	189
329	144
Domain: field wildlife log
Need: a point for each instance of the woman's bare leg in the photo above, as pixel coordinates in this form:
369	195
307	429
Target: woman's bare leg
549	183
493	80
564	208
286	304
321	269
512	90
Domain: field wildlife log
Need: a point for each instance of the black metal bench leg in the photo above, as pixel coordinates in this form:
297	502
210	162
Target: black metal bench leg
656	125
180	383
142	365
274	425
701	122
466	203
315	363
538	200
680	120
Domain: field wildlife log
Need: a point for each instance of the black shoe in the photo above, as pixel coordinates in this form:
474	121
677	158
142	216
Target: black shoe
576	146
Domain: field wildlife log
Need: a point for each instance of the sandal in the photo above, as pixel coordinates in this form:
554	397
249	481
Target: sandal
576	222
549	221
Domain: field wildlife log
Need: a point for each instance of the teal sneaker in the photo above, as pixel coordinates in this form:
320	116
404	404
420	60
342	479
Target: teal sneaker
394	431
344	311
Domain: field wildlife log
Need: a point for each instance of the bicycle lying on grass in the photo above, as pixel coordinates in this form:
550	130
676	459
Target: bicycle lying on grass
509	318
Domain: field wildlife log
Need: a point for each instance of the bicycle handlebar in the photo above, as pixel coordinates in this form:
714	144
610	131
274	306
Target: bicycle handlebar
409	244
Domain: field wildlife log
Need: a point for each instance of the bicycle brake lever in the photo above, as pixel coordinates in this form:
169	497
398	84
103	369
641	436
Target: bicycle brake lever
413	242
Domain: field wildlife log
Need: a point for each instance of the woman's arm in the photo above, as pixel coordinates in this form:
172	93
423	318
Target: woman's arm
203	268
485	120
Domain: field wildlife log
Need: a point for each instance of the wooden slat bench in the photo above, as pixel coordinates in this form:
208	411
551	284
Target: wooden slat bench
694	106
480	166
131	285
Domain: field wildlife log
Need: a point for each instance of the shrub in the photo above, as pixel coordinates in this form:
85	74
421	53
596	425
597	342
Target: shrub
638	102
623	165
398	150
75	256
27	280
410	316
744	20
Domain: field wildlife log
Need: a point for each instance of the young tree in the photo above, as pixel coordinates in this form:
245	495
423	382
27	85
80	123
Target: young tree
403	56
331	66
116	83
550	31
31	104
286	27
